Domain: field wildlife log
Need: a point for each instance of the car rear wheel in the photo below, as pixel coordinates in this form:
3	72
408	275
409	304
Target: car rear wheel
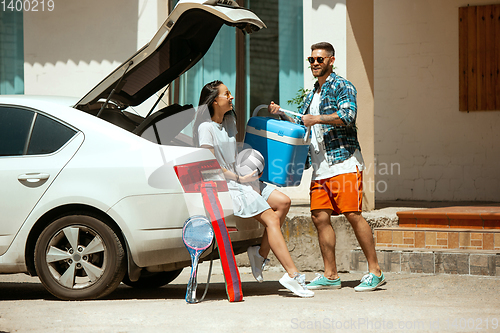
149	280
79	257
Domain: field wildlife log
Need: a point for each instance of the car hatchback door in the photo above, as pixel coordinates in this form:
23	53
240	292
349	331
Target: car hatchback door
34	148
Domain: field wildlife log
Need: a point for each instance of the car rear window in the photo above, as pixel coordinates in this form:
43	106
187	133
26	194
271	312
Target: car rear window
15	126
48	136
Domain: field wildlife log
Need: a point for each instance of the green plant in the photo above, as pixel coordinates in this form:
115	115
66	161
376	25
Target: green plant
299	98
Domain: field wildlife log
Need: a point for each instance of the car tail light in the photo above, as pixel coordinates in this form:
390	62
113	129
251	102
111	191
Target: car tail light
191	175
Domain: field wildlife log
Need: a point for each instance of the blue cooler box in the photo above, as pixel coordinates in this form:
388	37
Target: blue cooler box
283	146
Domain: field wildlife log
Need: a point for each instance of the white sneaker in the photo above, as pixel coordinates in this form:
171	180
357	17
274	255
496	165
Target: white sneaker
257	262
296	285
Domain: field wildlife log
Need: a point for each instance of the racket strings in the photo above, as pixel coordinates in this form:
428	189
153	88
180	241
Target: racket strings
197	236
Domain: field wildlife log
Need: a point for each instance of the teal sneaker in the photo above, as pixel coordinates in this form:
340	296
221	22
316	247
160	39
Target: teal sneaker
321	282
370	282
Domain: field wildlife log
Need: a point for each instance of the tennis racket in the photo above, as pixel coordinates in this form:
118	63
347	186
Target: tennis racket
197	235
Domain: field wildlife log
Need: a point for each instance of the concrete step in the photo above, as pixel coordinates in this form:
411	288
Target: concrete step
469	217
446	240
464	262
437	238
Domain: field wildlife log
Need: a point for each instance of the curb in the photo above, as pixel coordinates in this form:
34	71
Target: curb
484	263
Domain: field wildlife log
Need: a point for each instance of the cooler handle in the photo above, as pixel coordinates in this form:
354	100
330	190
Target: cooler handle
306	137
257	109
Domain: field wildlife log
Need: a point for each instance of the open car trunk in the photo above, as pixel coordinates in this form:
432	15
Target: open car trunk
179	44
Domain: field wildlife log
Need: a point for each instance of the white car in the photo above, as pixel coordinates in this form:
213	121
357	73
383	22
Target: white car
92	195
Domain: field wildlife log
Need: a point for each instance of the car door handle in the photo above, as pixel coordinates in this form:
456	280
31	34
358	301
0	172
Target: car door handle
33	177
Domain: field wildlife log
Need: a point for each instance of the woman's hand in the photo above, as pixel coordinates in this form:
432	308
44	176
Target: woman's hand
249	178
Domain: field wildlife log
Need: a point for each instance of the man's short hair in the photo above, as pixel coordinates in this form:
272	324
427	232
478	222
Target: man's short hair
324	46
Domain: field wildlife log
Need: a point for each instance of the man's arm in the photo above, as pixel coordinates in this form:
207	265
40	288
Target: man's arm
346	109
284	116
326	119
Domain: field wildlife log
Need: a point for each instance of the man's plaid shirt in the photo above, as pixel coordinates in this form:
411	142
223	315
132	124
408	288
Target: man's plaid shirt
337	96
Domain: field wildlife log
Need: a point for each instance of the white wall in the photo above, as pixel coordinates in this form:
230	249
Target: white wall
324	21
425	148
71	49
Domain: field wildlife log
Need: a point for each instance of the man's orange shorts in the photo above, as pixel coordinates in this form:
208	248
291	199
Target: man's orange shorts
342	193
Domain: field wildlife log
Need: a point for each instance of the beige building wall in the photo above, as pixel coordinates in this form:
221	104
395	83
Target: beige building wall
425	148
416	144
360	73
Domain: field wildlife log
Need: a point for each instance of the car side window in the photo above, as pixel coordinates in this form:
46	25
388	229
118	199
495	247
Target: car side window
15	127
48	136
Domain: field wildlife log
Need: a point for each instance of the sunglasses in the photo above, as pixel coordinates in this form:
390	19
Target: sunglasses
227	94
313	59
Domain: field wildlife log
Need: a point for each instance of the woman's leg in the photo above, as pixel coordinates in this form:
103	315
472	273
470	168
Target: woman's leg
280	204
271	222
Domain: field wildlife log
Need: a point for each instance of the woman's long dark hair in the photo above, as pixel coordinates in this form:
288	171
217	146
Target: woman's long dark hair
207	97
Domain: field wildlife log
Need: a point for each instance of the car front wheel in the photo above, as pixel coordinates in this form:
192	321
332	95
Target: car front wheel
79	257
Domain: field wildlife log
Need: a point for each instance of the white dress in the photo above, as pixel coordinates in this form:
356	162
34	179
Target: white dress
222	137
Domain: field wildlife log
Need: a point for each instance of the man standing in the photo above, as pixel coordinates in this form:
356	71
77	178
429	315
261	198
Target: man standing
335	155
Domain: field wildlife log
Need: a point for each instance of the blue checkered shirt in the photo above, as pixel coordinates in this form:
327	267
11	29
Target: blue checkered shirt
337	96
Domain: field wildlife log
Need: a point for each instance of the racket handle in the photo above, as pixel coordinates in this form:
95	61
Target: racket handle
193	281
191	288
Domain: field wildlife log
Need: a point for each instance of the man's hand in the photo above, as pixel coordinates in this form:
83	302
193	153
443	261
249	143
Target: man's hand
275	109
310	120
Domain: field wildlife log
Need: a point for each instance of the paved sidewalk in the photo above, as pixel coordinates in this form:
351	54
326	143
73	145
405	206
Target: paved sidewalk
408	302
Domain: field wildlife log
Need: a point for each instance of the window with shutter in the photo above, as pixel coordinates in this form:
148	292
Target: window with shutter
479	58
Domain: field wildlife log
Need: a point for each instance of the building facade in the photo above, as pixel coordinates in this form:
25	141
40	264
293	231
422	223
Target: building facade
403	57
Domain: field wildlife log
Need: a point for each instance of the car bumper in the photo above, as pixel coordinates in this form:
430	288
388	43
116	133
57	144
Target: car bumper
153	231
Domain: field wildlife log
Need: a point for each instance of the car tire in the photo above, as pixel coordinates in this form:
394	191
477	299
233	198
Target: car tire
149	280
79	257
